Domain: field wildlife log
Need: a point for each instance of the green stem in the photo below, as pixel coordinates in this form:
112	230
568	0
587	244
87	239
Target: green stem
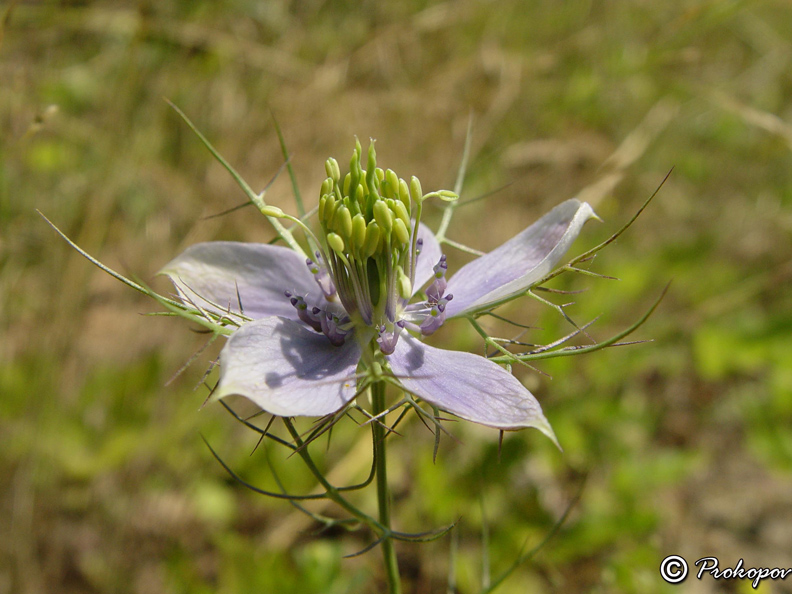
257	199
449	209
383	493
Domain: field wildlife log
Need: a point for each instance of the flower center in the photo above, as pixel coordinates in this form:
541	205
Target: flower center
370	237
369	228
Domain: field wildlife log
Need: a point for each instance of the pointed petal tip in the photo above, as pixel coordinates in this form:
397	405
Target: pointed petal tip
586	210
467	385
537	421
520	262
543	425
583	209
224	391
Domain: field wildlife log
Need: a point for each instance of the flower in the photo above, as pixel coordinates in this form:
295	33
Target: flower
310	328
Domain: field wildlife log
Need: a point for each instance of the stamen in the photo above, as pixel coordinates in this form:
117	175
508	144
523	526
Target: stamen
334	328
369	222
435	291
433	321
387	340
309	317
330	328
417	307
321	276
436	316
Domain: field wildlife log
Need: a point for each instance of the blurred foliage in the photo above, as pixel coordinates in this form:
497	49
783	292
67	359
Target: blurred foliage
685	442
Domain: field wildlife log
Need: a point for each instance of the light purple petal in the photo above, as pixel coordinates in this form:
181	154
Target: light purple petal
287	369
518	263
467	385
430	255
212	272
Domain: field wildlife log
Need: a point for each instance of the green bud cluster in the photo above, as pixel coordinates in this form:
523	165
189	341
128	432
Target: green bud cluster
369	219
370	210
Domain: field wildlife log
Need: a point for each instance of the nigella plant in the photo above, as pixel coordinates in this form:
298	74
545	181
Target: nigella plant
336	322
315	332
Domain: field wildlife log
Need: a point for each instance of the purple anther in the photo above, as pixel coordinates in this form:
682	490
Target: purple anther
441	305
418	246
330	328
387	340
441	267
433	321
321	276
309	317
435	291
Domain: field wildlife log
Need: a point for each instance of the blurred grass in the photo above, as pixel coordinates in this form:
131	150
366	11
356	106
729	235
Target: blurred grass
685	441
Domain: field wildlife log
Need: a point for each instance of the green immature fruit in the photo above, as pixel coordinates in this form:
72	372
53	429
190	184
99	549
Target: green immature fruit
400	231
272	211
358	231
383	216
404	285
372	240
401	211
327	187
404	195
332	169
391	184
415	189
336	243
343	221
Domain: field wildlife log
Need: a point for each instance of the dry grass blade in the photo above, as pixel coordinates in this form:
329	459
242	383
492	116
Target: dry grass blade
630	150
761	119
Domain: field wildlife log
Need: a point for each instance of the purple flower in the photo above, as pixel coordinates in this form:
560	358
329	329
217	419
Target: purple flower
312	328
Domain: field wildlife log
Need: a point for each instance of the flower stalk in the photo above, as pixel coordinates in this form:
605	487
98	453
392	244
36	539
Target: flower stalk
383	489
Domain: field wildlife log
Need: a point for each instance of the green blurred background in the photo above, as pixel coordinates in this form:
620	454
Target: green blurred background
685	441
